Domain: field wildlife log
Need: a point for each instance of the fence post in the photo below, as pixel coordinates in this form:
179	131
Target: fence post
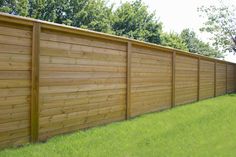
226	78
234	78
34	111
128	81
173	79
215	79
198	80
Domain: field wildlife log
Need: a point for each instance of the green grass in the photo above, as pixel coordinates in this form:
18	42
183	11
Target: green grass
203	129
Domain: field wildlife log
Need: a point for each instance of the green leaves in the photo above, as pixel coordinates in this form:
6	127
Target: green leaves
221	24
94	15
197	46
134	21
16	7
173	40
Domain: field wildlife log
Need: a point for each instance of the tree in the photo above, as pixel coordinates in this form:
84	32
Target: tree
173	40
221	23
16	7
197	46
94	15
90	14
134	21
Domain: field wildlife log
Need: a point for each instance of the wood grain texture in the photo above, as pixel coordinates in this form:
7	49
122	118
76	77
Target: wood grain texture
128	81
206	79
34	114
82	82
220	79
198	78
15	84
151	77
230	78
186	79
173	99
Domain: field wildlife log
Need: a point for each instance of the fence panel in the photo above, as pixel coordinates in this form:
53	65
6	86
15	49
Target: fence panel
220	79
186	79
82	82
230	78
151	75
15	82
206	79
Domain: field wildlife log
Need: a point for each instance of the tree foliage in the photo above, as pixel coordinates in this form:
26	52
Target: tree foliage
197	46
134	21
173	40
90	14
16	7
221	23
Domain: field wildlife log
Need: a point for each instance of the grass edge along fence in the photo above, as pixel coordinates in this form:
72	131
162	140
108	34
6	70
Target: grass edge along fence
56	79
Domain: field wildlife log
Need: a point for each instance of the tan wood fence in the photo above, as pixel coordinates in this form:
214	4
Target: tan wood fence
57	79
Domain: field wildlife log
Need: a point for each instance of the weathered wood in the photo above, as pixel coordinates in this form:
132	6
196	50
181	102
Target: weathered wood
226	71
35	83
220	79
151	80
128	81
215	79
15	84
230	78
186	79
173	79
206	79
198	79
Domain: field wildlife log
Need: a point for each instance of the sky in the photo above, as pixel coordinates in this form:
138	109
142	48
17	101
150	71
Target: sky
179	14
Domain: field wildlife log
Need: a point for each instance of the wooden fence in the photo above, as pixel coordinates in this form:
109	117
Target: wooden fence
57	79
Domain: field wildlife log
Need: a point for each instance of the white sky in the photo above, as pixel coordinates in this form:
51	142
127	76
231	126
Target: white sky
179	14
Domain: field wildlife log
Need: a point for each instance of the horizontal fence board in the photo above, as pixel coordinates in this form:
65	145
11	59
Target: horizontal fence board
58	38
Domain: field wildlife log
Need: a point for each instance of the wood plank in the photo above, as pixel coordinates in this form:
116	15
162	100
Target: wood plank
15	49
13	40
34	127
14	83
81	40
173	79
79	88
226	78
15	32
215	79
128	81
198	80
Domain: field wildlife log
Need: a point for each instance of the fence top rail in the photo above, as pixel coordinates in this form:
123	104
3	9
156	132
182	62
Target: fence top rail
75	30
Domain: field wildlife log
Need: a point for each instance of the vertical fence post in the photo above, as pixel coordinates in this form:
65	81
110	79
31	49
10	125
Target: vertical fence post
34	112
234	78
215	79
226	78
128	81
198	80
173	79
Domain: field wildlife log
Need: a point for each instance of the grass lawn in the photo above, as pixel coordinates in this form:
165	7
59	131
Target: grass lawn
202	129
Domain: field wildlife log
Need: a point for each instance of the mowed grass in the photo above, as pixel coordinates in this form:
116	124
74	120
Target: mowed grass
206	128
